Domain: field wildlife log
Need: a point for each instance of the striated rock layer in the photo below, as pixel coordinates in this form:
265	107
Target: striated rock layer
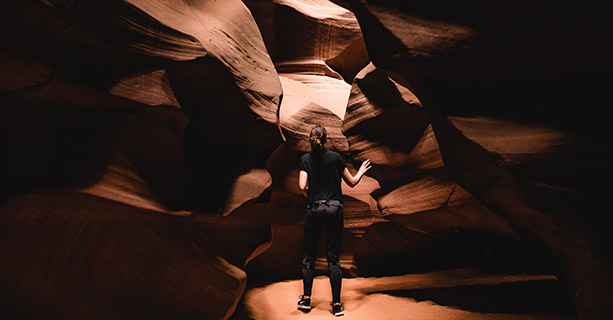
461	64
82	256
153	146
100	102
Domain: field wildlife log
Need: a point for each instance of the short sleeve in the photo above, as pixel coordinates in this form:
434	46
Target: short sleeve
341	163
304	165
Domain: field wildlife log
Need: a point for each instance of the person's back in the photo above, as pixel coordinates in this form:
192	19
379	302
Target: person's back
325	169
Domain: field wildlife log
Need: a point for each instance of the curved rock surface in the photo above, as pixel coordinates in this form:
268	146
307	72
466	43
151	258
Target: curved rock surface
461	64
82	256
98	104
153	146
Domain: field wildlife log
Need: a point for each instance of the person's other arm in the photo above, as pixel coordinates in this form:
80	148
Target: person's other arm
352	180
303	182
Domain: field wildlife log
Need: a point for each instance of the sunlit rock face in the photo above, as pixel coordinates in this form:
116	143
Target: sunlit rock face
153	146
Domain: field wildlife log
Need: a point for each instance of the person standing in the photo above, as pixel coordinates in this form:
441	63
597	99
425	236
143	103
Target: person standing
320	177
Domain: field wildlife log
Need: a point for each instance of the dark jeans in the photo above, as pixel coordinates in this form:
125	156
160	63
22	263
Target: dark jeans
328	216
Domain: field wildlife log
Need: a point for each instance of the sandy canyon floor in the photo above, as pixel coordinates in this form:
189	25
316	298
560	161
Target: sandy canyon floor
441	295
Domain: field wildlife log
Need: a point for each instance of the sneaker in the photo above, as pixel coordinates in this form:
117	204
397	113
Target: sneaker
337	309
304	304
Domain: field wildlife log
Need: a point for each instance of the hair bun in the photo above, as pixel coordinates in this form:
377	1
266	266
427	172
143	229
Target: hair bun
317	138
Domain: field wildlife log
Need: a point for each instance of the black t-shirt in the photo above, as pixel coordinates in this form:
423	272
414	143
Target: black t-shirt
325	171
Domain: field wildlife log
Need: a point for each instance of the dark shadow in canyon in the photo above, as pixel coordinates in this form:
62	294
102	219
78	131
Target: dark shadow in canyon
526	297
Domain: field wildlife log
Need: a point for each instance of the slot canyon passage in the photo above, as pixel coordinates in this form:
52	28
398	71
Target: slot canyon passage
151	157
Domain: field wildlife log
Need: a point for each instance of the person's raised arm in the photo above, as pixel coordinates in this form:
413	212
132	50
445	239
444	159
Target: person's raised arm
352	180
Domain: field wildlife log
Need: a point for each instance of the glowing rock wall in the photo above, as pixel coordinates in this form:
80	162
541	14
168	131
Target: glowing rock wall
153	146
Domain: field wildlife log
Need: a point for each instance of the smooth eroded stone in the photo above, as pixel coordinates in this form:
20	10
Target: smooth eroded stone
351	60
55	133
213	102
151	88
231	36
247	187
311	30
312	100
475	62
71	255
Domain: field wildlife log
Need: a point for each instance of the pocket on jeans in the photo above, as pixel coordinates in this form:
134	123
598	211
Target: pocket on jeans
335	203
335	207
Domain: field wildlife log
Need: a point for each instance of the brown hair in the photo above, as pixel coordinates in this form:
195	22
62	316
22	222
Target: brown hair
318	138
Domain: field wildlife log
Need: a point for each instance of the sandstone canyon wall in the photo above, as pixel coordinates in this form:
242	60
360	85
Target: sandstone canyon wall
152	147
